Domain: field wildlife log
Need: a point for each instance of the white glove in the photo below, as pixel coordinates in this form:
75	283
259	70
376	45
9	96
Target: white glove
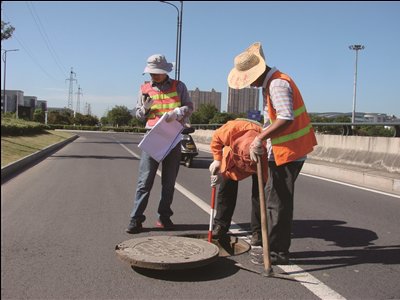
184	111
172	115
214	167
216	179
179	113
256	149
147	101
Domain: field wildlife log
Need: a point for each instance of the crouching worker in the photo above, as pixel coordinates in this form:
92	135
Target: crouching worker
230	146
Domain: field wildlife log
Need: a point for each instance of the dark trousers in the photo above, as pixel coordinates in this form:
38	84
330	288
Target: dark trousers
279	193
226	203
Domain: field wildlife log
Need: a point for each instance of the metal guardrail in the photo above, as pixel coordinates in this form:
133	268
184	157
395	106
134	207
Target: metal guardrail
347	128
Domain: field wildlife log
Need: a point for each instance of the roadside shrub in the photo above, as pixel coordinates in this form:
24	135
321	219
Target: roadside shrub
15	127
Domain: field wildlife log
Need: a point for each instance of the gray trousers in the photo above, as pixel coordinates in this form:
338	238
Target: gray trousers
279	193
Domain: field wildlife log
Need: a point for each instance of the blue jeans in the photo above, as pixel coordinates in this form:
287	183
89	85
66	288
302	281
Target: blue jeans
147	172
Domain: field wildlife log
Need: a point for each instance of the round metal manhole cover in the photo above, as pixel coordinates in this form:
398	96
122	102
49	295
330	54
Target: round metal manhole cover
167	252
228	245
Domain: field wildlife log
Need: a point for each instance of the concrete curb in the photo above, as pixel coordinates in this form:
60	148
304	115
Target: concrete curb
14	167
358	176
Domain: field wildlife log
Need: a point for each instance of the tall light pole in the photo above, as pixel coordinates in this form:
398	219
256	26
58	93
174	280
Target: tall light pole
356	48
178	39
4	79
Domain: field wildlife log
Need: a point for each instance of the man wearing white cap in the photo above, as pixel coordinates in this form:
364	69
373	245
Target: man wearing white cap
290	137
159	96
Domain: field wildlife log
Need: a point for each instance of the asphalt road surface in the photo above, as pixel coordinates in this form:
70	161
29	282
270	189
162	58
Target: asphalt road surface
62	218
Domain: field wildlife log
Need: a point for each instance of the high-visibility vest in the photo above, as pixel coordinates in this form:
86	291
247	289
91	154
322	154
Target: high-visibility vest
298	138
164	101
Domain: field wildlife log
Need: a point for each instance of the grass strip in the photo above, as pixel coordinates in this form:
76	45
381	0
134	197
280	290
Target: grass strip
14	148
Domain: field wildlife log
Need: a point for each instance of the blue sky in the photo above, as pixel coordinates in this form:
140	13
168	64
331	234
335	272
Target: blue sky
107	44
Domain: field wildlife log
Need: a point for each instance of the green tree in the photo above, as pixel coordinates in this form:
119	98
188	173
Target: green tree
90	120
38	116
374	131
6	30
87	120
64	117
326	129
204	114
222	118
134	122
104	121
119	116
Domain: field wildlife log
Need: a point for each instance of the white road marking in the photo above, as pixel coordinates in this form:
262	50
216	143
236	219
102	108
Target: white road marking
352	185
317	287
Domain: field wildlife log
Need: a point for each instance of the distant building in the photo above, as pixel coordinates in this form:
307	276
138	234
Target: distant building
12	99
26	104
205	97
376	118
30	101
41	104
243	100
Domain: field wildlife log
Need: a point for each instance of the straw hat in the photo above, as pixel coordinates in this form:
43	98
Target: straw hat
157	64
249	65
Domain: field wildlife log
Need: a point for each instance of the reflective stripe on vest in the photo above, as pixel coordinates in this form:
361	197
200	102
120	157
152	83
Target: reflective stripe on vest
291	136
296	134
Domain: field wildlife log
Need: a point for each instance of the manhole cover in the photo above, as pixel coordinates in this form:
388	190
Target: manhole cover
228	245
167	252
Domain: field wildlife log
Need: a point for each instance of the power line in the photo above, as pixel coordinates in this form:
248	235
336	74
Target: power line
45	37
28	51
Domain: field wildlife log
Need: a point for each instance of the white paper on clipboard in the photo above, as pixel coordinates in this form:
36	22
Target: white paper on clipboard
162	138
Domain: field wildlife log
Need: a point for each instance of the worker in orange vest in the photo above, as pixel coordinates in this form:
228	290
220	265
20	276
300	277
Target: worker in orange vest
289	135
230	146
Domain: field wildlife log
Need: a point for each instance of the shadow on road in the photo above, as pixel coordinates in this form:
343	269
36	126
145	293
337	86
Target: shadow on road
221	268
362	251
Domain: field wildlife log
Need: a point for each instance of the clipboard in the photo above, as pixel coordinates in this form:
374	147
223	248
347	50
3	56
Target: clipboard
162	138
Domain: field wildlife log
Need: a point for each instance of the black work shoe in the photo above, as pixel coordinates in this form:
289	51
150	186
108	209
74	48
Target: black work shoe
134	227
276	259
279	258
219	231
256	239
165	224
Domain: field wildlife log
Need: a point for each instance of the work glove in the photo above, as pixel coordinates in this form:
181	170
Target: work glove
147	101
184	112
172	115
214	167
179	113
216	179
256	149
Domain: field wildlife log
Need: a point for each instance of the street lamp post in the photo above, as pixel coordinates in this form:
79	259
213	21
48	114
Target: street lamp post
356	48
4	78
178	39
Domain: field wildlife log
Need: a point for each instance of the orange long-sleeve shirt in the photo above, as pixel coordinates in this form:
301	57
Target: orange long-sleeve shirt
230	144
